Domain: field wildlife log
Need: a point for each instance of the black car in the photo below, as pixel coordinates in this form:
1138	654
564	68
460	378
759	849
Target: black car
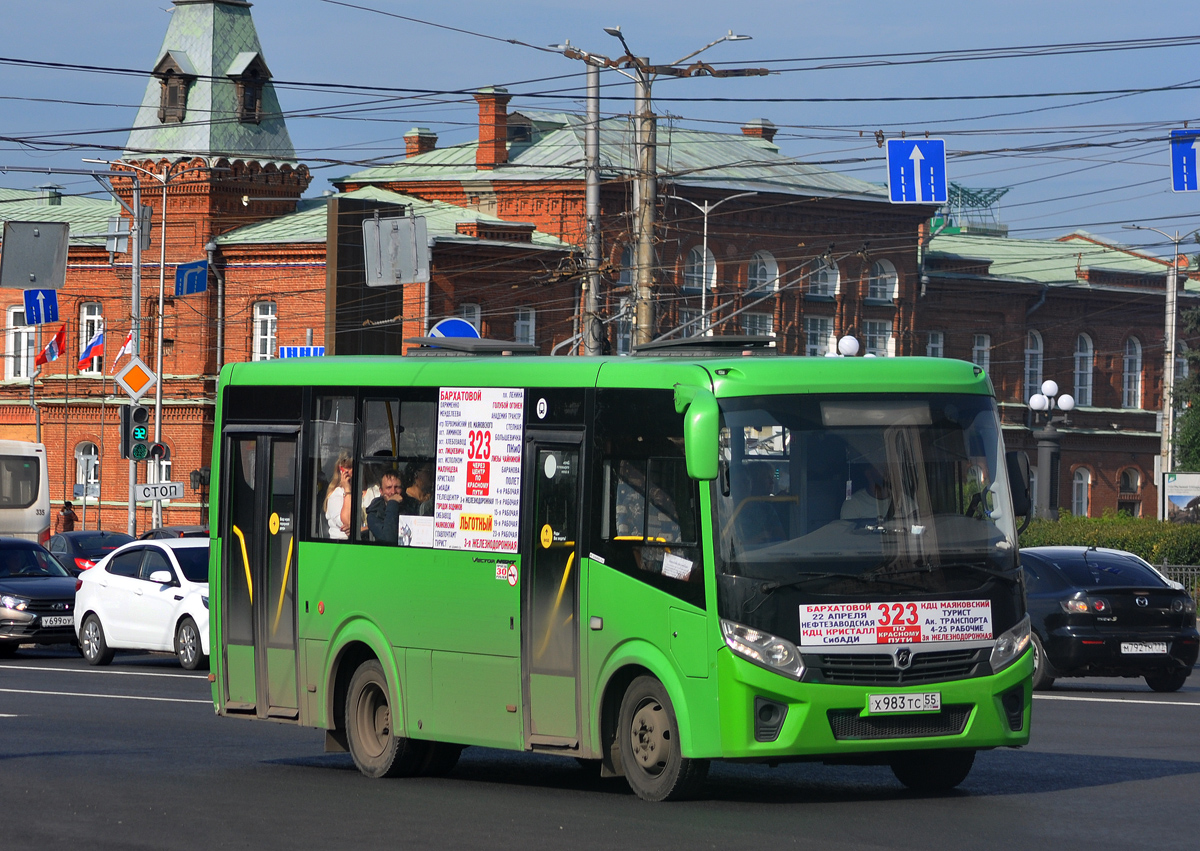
1107	613
37	597
84	548
163	532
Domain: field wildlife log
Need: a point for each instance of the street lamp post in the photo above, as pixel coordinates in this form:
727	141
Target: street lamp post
1048	439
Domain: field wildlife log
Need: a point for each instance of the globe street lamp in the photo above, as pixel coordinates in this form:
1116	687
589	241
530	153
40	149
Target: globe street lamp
1048	438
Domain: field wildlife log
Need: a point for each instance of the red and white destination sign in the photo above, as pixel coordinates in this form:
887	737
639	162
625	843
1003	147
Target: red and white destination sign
837	624
477	498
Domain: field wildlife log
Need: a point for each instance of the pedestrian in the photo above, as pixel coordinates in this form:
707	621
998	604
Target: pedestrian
64	521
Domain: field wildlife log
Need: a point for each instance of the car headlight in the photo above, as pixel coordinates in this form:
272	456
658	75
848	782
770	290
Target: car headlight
762	648
10	602
1010	646
204	600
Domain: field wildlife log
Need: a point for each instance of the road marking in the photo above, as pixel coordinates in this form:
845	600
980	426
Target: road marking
112	696
104	671
1115	700
8	716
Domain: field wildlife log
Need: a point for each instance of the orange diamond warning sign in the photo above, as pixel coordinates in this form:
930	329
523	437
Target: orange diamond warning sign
136	378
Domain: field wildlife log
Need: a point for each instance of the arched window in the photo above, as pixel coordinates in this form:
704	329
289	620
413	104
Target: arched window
1131	480
762	273
1085	360
1081	487
264	330
87	465
884	281
1128	488
625	276
823	277
91	323
698	268
1033	363
1131	374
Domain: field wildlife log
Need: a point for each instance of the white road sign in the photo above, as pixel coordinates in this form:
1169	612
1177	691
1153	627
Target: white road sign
159	490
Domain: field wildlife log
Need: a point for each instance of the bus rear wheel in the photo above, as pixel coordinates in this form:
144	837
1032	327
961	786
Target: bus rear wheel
933	771
648	737
377	750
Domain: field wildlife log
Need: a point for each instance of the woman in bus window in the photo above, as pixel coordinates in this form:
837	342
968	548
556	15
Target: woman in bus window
337	501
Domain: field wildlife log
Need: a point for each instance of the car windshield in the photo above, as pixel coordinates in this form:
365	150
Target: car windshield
100	543
1091	569
28	561
911	487
194	562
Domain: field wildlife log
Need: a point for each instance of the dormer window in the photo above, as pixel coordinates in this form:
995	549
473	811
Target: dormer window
250	75
175	72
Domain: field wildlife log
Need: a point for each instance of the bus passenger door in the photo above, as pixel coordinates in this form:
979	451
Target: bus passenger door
258	580
550	593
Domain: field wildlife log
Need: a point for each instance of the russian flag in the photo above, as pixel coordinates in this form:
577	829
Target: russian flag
53	349
94	349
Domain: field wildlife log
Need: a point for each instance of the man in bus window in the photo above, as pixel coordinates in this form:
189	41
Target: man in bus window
64	521
383	514
418	488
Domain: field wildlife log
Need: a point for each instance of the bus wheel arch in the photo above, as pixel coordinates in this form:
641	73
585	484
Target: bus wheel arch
635	660
610	710
353	645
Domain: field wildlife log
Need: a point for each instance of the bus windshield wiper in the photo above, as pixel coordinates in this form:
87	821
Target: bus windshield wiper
813	576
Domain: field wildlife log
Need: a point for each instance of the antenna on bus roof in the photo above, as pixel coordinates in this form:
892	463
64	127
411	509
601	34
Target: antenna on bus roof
463	346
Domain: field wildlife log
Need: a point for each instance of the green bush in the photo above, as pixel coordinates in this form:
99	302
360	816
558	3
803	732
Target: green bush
1156	542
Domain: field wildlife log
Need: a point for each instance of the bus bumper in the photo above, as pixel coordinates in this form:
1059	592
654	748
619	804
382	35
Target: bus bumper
768	717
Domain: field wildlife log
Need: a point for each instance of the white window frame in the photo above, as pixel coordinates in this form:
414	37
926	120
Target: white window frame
1085	366
981	351
624	332
692	270
762	273
877	338
1034	350
883	282
472	312
83	474
1131	374
818	336
266	323
758	324
19	344
625	274
91	323
1081	492
824	278
1181	361
935	344
686	315
525	325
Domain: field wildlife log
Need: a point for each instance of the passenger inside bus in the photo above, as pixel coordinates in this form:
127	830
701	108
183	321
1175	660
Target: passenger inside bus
383	514
870	496
337	498
418	488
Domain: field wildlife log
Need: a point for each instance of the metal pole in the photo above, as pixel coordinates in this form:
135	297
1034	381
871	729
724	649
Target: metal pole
158	354
1047	448
705	325
648	193
135	320
591	144
1168	426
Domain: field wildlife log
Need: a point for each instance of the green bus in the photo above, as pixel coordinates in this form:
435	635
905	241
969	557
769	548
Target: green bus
702	551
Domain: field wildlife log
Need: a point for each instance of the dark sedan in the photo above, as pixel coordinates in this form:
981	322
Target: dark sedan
83	549
37	597
1107	613
165	532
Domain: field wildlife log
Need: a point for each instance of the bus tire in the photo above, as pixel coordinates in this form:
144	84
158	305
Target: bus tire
188	646
933	771
91	640
1043	672
377	750
648	736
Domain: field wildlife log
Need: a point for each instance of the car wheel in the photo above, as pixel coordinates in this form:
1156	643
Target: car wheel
91	641
188	646
377	750
1168	681
933	771
648	736
1043	677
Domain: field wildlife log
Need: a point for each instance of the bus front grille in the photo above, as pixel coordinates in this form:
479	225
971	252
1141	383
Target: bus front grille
851	724
870	669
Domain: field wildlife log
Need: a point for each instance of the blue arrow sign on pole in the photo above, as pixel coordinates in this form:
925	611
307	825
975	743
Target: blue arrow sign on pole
1183	160
191	278
41	306
916	171
453	327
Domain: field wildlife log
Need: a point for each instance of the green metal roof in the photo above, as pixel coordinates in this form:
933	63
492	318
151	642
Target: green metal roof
694	158
309	223
214	38
84	215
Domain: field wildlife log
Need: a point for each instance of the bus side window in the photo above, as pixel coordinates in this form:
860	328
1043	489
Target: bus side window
331	464
399	438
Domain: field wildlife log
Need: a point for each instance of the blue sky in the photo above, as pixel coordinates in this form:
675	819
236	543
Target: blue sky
1079	161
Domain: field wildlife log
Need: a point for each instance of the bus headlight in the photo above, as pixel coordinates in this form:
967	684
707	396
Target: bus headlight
1010	646
762	648
17	604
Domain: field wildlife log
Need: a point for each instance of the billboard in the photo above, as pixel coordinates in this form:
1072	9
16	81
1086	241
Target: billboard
1179	497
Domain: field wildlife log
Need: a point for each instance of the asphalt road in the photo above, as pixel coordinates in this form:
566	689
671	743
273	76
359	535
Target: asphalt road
132	756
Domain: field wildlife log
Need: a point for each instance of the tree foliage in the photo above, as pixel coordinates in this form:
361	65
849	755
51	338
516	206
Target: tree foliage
1156	542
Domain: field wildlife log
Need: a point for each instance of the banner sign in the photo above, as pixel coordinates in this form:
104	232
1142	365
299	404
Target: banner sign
477	502
836	624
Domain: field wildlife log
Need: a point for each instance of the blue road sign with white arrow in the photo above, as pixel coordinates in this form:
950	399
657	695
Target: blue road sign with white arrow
191	278
41	306
916	171
453	327
1183	160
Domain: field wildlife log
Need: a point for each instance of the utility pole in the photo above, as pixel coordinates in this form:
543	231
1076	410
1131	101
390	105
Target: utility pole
591	324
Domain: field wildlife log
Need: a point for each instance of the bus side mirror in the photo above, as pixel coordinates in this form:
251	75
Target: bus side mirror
1018	482
701	423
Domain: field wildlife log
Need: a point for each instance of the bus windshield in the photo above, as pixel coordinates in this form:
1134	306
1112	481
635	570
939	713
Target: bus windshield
856	495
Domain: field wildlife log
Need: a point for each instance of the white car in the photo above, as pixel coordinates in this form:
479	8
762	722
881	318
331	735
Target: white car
146	595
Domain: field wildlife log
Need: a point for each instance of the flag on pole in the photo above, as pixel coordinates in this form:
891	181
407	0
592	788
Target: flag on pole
93	349
53	349
126	348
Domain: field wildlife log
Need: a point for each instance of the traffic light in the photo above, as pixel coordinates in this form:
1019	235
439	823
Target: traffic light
160	452
135	432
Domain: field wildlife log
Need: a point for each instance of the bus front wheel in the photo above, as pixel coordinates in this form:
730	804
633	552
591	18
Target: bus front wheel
933	771
648	736
377	750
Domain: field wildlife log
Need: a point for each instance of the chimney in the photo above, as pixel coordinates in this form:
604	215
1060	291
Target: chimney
493	127
419	140
50	195
760	128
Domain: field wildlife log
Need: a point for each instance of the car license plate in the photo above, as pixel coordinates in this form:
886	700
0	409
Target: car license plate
57	620
1134	648
878	704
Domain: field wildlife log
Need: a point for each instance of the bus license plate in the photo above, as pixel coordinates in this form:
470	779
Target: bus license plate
57	620
1135	648
878	704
